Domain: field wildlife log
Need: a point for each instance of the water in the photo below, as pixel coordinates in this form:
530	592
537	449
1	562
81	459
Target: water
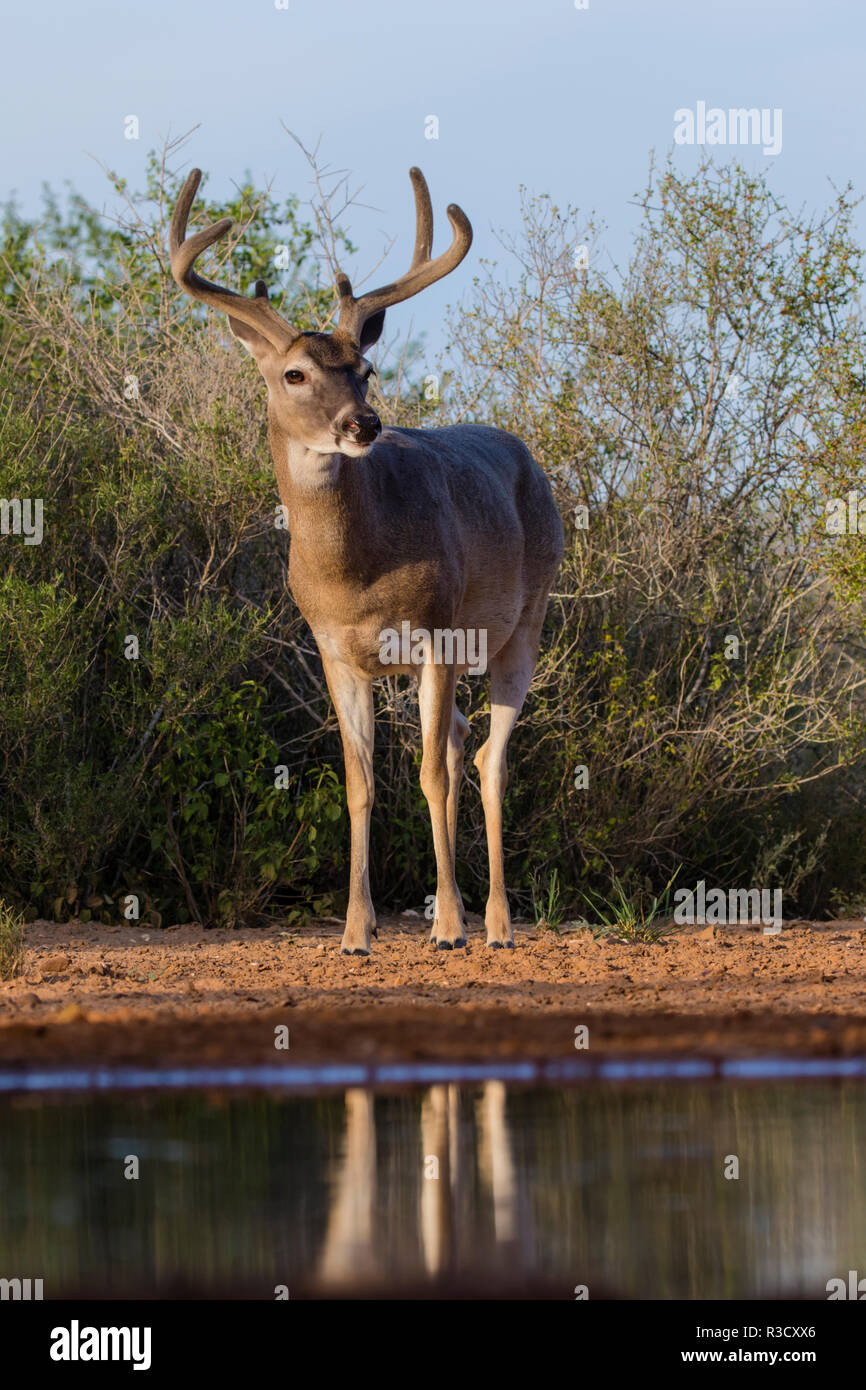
619	1187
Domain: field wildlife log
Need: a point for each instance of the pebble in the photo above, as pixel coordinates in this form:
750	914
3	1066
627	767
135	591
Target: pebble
55	965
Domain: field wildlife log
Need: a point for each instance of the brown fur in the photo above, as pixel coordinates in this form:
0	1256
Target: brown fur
448	529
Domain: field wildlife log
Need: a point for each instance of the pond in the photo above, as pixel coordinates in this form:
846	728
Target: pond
656	1189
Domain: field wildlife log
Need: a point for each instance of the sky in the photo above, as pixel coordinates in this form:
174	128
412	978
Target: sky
565	98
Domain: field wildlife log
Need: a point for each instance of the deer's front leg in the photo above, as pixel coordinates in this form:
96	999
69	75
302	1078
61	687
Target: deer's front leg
436	686
353	701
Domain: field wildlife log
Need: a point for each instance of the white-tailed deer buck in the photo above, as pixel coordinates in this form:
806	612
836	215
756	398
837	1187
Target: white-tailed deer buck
451	531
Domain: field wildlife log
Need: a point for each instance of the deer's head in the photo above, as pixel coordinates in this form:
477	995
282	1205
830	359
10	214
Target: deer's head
317	382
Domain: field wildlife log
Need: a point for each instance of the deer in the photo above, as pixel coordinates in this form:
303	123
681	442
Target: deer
451	529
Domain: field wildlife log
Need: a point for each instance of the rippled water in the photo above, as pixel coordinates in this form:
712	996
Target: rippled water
617	1187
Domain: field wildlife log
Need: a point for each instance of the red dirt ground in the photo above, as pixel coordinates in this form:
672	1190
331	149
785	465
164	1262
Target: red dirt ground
112	994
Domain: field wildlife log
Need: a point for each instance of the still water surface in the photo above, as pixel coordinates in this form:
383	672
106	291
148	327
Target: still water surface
621	1188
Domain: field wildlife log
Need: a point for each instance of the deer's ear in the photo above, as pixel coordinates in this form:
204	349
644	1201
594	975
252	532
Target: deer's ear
254	342
372	330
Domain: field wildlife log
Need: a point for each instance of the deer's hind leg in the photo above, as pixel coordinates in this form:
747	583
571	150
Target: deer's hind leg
510	677
457	736
441	763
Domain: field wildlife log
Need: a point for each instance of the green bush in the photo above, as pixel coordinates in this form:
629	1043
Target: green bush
155	671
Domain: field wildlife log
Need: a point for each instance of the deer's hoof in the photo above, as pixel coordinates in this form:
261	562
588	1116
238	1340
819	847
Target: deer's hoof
501	945
353	951
452	945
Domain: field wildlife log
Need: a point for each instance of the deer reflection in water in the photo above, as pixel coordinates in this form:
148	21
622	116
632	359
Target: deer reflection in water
411	1212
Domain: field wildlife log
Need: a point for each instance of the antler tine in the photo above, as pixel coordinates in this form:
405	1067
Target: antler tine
254	310
423	219
422	271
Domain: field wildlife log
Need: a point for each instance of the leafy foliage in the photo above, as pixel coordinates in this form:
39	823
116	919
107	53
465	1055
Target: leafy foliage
703	653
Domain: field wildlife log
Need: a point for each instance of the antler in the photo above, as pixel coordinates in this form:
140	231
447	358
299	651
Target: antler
254	310
423	271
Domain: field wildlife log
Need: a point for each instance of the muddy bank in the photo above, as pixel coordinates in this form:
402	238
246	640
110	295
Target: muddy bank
121	994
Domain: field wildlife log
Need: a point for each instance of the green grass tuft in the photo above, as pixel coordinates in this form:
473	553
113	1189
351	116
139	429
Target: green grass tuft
629	917
11	942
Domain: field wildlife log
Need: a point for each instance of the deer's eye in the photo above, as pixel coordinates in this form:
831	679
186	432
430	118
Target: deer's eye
293	377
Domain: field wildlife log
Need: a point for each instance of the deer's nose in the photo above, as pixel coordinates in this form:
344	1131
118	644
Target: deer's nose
362	426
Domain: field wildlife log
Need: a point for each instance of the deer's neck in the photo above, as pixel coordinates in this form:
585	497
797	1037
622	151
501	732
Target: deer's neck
329	512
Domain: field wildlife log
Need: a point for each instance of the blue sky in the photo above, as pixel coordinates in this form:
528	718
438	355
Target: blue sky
568	102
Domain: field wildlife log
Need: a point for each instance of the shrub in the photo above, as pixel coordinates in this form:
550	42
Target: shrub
703	651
